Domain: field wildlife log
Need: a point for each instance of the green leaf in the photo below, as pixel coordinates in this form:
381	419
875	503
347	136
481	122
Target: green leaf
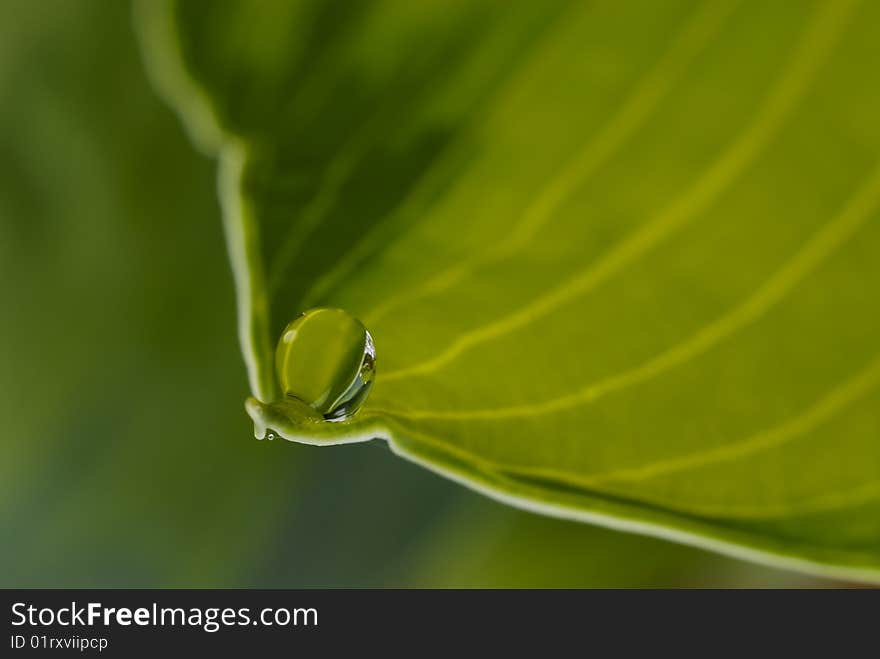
619	260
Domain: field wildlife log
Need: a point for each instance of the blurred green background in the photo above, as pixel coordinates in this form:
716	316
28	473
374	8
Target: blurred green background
127	459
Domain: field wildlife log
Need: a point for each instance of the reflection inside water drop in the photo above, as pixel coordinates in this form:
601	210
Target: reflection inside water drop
326	359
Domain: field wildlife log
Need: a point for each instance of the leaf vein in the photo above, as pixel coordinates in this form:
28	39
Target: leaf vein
822	245
636	109
818	40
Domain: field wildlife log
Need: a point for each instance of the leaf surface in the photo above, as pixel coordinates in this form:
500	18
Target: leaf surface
619	260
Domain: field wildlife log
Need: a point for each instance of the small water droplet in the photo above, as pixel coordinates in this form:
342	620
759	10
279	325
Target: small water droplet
326	359
270	436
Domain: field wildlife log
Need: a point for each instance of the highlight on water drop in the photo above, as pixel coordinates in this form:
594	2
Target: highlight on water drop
326	360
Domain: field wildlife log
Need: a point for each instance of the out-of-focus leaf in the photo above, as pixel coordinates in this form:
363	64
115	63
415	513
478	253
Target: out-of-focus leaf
619	259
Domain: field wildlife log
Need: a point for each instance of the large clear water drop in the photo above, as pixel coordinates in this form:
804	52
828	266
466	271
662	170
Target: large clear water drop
326	360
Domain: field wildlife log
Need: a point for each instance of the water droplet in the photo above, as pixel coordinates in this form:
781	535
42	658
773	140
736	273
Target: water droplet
326	359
